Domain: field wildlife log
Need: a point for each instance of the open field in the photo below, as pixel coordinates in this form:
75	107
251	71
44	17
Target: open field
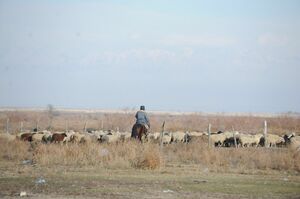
130	169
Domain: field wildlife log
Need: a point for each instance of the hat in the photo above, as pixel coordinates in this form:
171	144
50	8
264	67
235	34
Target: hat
142	108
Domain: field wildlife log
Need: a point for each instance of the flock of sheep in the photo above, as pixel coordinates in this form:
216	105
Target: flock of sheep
217	139
232	139
235	138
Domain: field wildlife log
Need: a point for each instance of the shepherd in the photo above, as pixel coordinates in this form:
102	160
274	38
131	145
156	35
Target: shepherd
142	124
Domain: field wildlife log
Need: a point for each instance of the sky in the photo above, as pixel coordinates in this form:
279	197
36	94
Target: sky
209	56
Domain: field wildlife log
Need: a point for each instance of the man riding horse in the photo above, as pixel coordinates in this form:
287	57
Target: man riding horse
141	125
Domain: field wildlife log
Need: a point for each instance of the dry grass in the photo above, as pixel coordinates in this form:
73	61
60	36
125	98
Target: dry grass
15	150
117	155
232	159
133	154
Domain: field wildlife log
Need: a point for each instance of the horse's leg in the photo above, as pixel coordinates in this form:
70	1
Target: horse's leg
140	134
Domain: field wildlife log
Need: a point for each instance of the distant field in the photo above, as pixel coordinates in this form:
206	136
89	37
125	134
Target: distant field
123	120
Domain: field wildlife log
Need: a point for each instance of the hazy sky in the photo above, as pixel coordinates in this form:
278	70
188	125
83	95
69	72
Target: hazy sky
232	56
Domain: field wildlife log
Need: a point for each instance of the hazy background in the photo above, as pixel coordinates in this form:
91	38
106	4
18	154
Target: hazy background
232	56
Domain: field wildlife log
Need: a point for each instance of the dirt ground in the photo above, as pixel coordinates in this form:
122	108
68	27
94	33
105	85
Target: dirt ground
172	181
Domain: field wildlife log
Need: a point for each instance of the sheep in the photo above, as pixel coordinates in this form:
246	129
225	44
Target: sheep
196	134
37	137
293	141
153	136
91	137
78	138
125	136
274	140
167	138
232	138
180	137
249	140
47	137
69	136
58	137
62	137
98	134
25	136
110	137
156	135
218	139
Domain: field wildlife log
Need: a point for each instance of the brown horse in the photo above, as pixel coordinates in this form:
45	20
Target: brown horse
138	130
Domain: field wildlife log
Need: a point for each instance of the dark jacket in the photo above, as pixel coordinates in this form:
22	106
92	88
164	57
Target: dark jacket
142	118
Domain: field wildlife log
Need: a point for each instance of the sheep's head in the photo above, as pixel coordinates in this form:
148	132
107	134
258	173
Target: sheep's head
287	138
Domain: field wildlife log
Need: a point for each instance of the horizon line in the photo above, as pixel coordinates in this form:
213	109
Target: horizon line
158	112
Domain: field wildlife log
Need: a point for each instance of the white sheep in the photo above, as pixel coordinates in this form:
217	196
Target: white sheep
167	138
274	140
153	136
196	134
79	138
293	141
247	140
69	137
179	136
125	135
110	138
218	139
38	137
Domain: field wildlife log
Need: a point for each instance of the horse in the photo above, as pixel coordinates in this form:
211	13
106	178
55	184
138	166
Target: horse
138	130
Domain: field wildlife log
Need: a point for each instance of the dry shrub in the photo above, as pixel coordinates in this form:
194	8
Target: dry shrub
148	158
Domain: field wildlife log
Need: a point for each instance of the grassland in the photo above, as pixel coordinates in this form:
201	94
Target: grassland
134	170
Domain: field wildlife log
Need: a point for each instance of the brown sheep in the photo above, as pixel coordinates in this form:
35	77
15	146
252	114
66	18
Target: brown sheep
26	137
58	137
